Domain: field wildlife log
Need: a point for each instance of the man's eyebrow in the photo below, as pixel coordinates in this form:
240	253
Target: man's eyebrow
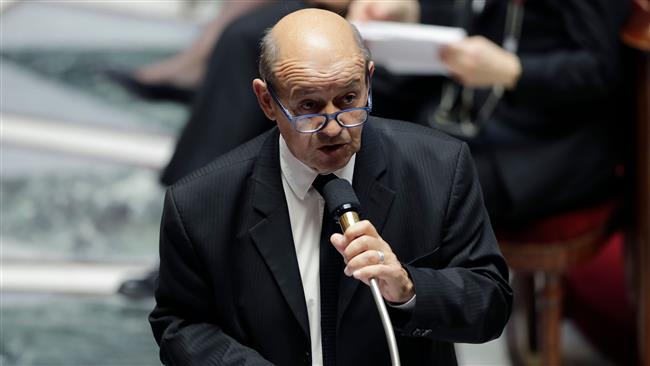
305	91
301	91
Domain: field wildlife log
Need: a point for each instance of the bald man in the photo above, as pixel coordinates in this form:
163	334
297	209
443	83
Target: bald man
243	242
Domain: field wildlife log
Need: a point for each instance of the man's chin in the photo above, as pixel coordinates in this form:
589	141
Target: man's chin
331	165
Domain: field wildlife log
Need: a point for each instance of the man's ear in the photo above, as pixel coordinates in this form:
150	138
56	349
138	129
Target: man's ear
371	68
264	99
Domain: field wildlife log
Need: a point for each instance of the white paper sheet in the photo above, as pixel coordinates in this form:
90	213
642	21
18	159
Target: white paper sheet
405	48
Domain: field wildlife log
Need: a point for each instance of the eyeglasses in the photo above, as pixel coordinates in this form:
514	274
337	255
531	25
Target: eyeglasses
312	123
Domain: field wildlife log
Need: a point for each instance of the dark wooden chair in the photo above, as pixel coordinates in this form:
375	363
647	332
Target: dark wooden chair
539	256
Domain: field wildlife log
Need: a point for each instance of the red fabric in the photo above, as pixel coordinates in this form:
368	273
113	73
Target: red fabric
562	226
597	301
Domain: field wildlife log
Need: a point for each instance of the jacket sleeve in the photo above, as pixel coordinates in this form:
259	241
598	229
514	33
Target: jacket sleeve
183	320
468	298
588	69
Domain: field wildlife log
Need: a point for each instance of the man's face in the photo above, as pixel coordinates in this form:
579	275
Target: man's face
314	86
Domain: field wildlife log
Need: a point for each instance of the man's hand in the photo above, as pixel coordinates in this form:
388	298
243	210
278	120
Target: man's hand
360	246
478	62
407	11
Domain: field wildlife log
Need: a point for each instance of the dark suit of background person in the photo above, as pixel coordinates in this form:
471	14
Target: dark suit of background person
556	139
230	290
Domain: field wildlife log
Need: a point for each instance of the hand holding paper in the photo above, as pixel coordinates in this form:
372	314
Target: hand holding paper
409	48
478	62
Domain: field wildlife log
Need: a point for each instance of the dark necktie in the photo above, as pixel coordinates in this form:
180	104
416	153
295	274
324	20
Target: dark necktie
331	265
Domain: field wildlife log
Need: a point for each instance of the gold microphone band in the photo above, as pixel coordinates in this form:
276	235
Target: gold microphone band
348	219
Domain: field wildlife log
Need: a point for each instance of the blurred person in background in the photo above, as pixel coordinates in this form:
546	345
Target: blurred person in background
177	77
554	140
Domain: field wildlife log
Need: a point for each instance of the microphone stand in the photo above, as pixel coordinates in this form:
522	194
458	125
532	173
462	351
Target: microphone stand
346	220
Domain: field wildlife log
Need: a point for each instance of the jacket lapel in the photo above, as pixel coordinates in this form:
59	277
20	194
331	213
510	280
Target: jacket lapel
272	231
374	194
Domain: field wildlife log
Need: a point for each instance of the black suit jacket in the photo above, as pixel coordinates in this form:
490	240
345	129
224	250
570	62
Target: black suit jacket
230	290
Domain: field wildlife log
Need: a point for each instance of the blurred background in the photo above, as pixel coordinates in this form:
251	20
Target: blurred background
80	156
80	197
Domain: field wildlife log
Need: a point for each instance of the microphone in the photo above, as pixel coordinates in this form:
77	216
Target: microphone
342	204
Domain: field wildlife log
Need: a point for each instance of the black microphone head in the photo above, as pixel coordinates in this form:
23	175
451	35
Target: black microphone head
340	197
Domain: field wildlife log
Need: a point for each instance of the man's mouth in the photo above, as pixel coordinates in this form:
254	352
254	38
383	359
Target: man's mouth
328	149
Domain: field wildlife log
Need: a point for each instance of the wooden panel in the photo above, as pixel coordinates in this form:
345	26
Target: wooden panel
643	206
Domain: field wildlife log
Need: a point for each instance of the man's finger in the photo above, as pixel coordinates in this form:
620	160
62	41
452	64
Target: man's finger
358	246
367	258
363	227
339	242
379	271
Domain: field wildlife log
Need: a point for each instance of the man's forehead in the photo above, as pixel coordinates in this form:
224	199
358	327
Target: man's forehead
318	56
306	75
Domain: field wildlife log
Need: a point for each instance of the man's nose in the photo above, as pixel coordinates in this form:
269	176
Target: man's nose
332	127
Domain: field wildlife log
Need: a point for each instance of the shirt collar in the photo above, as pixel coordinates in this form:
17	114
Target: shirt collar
300	176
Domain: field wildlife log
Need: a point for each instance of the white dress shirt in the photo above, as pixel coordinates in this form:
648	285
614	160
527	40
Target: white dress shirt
306	207
305	213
